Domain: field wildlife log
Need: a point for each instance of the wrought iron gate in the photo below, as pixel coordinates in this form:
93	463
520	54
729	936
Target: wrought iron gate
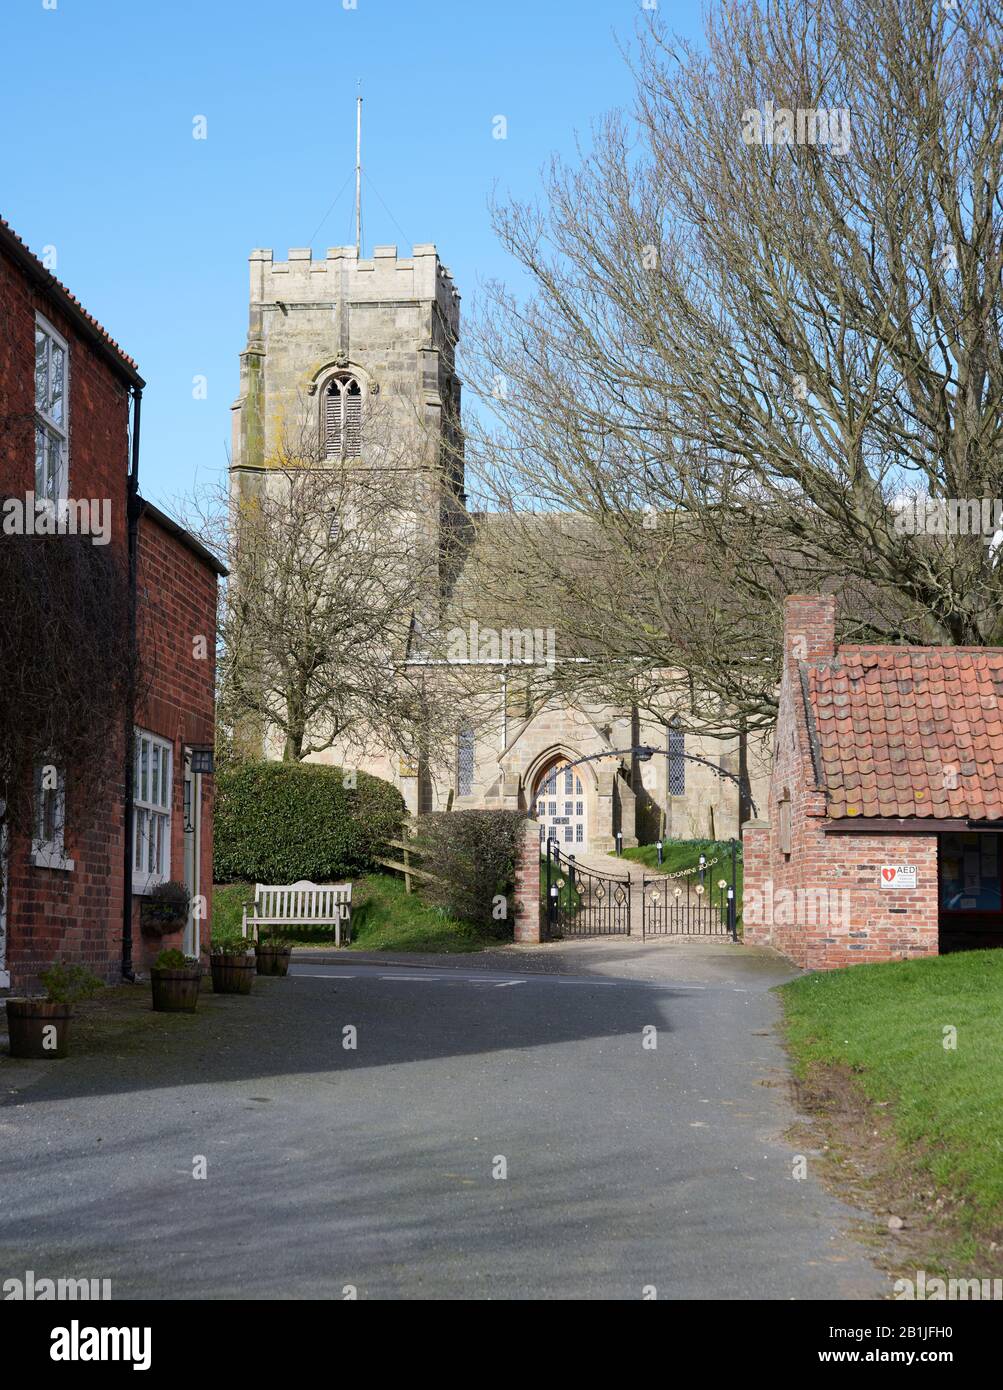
699	902
582	902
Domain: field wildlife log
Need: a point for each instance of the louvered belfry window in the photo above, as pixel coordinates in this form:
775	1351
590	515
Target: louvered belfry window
352	396
343	418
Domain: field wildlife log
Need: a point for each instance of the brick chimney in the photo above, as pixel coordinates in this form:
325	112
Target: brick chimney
809	626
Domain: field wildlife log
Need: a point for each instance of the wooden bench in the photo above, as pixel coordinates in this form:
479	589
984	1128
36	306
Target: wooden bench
302	904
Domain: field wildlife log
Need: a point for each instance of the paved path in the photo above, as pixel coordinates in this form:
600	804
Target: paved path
375	1167
616	868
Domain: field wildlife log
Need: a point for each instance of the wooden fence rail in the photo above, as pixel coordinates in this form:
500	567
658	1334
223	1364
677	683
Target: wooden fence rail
407	868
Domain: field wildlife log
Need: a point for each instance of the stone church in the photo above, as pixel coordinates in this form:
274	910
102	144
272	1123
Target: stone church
330	339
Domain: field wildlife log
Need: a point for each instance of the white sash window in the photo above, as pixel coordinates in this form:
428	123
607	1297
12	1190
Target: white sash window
52	413
151	827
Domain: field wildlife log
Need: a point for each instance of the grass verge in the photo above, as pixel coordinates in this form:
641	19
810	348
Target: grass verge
384	918
919	1045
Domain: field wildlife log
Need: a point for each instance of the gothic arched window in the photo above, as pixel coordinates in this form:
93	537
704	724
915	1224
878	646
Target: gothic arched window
342	420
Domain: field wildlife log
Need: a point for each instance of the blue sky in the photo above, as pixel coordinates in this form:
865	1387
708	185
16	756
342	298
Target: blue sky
152	228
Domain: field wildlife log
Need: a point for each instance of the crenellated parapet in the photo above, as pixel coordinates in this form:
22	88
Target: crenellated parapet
381	278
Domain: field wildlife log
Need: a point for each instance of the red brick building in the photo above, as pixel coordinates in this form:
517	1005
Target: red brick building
883	834
69	432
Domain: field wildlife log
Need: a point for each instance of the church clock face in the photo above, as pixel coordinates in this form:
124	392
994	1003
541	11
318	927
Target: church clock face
561	809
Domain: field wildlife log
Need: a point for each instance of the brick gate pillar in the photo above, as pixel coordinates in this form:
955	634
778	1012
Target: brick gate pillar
757	929
526	905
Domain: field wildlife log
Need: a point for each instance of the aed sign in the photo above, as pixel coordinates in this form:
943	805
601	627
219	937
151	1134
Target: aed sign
898	875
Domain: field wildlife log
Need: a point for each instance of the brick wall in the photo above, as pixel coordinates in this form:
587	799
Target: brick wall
99	403
177	644
51	913
821	903
76	913
526	905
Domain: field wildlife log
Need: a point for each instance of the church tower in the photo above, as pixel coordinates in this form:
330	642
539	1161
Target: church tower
337	343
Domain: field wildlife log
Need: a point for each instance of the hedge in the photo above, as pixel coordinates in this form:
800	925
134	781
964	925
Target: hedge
473	854
279	822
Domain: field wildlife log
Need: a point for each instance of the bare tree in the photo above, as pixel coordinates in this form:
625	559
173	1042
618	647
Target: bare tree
764	327
335	565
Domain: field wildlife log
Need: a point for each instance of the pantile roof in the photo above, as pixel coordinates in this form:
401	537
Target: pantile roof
908	731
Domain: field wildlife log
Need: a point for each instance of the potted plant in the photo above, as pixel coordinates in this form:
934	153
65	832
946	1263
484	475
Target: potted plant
273	955
232	965
165	908
175	979
41	1027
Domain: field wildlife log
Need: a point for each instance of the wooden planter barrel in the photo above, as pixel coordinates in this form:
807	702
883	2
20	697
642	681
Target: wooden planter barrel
272	960
176	991
232	973
38	1028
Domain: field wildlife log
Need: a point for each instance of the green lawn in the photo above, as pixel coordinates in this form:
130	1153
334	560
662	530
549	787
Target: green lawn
887	1024
384	918
684	854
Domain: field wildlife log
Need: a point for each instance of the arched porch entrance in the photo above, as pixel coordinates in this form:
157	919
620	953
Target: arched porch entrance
561	804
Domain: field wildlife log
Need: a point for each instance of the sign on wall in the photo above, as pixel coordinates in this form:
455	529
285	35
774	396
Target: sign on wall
898	876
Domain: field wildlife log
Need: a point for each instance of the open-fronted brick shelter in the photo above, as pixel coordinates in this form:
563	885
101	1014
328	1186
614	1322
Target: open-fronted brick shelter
885	811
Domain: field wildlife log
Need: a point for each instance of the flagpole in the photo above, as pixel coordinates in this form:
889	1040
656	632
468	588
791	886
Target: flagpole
358	177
